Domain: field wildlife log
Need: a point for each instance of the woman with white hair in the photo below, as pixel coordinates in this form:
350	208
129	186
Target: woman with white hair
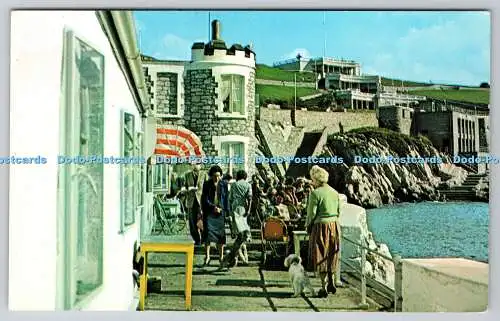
322	223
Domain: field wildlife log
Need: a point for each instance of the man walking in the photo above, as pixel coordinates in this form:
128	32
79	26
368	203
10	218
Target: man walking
193	182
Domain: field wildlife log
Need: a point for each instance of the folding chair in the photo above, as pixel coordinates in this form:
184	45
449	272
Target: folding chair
160	217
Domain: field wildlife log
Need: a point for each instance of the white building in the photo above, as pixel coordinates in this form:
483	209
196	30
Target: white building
76	90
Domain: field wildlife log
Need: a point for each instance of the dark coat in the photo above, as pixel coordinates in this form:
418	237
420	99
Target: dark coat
208	197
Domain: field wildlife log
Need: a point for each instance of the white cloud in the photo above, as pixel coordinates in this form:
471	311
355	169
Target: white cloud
140	26
173	47
453	51
302	51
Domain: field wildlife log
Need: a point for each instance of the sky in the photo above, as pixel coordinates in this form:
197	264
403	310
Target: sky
426	46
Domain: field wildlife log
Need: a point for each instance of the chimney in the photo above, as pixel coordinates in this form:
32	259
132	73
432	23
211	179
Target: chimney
216	30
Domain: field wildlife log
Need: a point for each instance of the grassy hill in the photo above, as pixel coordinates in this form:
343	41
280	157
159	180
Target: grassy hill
275	93
271	73
282	93
469	95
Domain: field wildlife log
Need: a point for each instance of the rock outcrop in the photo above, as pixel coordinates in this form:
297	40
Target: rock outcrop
482	189
354	227
375	183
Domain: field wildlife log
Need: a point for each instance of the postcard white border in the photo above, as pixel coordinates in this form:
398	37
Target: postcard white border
494	257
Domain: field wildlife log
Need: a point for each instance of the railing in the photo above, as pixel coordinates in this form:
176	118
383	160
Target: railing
285	62
395	293
355	78
433	105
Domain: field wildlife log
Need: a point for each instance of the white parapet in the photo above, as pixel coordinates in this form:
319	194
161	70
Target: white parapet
221	57
354	227
444	285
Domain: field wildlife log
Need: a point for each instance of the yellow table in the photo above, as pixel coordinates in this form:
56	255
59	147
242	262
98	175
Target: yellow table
297	237
167	244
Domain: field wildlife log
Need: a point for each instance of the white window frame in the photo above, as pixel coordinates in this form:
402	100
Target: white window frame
220	103
162	188
154	77
124	226
217	141
141	169
69	143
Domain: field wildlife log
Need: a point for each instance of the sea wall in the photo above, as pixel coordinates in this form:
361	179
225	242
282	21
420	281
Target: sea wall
354	227
318	120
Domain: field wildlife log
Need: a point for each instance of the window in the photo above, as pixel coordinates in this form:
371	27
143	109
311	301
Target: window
232	150
140	170
232	94
128	172
81	187
161	178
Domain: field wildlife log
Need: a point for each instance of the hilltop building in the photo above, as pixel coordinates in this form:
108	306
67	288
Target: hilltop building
352	89
322	66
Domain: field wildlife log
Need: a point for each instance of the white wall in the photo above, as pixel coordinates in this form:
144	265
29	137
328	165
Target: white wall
36	57
220	57
444	285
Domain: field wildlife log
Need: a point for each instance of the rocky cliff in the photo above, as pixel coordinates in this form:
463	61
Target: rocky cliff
372	183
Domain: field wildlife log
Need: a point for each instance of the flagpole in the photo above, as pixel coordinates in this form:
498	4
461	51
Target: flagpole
140	41
209	29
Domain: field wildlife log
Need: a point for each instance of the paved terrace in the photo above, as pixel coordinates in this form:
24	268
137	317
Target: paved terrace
243	288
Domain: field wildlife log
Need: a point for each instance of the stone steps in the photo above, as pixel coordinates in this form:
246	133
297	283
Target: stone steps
465	191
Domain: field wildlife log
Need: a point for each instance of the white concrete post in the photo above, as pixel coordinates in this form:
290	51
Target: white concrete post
363	304
398	284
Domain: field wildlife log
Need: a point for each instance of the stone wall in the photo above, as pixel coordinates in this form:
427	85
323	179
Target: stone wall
166	93
281	140
436	126
317	120
396	118
149	84
285	83
201	112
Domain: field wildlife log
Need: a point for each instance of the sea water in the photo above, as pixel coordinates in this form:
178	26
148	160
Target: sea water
433	229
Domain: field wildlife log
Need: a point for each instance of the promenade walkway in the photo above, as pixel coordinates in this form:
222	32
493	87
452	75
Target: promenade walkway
243	288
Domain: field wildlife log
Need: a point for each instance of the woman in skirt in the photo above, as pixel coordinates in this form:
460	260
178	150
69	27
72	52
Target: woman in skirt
322	223
214	205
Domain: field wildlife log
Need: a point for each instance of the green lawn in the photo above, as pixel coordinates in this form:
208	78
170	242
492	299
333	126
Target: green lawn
468	95
270	73
270	92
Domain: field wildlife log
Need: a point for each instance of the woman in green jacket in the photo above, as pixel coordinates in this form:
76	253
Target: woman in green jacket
322	223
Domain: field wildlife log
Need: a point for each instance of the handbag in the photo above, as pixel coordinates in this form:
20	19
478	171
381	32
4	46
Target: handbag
199	224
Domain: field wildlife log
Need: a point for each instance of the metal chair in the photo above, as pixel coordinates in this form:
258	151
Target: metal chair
273	234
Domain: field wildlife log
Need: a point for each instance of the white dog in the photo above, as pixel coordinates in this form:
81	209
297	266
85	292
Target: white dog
300	281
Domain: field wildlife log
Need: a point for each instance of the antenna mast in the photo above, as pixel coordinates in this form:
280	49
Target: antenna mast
324	29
